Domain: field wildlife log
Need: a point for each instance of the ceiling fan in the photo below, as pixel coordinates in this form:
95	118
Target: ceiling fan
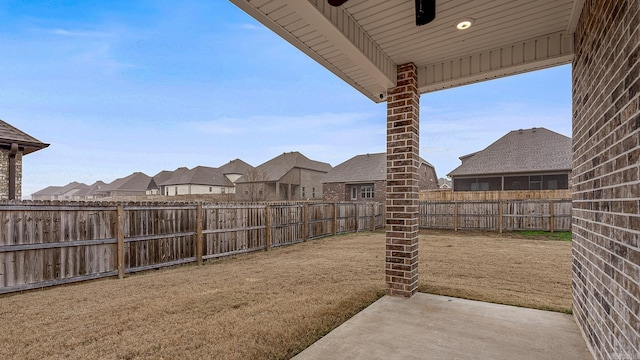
425	10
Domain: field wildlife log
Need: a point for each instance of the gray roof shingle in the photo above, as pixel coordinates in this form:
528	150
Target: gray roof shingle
61	190
520	151
137	181
360	168
367	167
9	135
200	175
279	166
236	166
91	189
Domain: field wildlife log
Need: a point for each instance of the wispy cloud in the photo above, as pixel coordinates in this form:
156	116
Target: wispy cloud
252	27
81	33
325	122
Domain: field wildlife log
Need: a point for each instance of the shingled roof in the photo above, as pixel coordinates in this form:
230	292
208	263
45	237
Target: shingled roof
90	190
137	181
236	166
61	190
279	166
360	168
10	135
200	175
367	167
520	151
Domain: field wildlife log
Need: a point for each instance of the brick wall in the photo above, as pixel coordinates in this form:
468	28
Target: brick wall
401	269
606	177
4	174
342	191
333	192
428	178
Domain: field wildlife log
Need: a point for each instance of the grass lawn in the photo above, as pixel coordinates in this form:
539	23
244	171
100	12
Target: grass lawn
271	304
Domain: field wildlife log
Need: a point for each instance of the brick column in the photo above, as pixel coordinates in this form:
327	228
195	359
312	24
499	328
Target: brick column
401	269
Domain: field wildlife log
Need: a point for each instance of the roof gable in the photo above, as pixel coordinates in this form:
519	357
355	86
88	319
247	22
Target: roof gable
10	135
137	181
367	167
200	175
91	189
360	168
278	167
519	151
236	166
162	176
61	190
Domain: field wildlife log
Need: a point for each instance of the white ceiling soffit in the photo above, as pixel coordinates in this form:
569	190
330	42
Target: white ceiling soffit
363	41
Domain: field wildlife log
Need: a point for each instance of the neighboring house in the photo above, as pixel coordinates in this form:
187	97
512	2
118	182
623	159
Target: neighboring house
89	193
531	159
67	192
14	144
162	176
290	176
234	169
135	184
199	180
363	178
444	184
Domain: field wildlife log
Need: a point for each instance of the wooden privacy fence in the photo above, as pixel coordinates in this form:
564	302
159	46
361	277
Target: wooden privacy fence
549	215
47	244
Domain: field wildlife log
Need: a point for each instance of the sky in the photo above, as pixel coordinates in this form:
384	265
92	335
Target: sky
123	86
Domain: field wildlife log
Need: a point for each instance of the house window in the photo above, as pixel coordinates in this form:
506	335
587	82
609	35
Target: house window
210	189
478	184
303	195
535	183
516	183
176	190
354	193
223	190
313	192
553	182
367	191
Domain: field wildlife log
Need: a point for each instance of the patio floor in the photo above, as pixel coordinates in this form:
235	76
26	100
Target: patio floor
438	327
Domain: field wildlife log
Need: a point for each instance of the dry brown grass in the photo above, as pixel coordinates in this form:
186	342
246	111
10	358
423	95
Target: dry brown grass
500	268
269	304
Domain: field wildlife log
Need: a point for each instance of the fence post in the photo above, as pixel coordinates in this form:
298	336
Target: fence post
120	236
305	236
455	216
335	219
267	218
500	224
373	217
551	217
357	216
199	233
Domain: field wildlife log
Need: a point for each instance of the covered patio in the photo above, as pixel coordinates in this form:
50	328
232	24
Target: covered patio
394	51
439	327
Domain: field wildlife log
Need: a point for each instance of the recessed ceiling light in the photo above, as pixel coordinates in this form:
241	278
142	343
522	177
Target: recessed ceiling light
464	24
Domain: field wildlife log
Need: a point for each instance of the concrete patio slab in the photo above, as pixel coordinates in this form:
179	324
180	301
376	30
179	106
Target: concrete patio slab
438	327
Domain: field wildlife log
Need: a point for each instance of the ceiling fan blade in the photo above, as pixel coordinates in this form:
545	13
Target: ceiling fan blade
425	11
337	2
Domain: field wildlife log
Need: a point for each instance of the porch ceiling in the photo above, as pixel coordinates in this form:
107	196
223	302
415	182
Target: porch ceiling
363	41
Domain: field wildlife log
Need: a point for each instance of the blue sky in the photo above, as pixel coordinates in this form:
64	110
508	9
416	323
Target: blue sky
123	86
